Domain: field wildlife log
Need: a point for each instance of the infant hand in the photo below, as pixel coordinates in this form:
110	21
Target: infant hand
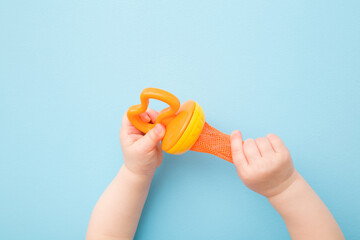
264	165
142	153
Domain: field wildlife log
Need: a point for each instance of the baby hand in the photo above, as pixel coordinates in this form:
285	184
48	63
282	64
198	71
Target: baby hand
142	153
264	165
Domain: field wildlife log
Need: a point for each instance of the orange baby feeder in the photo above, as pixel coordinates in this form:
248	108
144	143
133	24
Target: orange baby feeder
185	124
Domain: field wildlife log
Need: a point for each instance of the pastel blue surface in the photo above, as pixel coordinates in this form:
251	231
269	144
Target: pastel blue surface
70	69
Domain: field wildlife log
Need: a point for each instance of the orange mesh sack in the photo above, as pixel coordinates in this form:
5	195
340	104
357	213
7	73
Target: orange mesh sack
214	142
185	124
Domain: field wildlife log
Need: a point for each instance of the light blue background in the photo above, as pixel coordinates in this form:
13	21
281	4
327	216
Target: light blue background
70	69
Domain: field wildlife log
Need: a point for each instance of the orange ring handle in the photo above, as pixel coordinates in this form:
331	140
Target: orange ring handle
134	111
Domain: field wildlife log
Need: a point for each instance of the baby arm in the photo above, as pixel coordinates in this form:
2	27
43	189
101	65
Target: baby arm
265	166
117	213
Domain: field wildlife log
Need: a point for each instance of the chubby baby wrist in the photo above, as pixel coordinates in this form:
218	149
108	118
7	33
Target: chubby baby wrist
283	188
137	175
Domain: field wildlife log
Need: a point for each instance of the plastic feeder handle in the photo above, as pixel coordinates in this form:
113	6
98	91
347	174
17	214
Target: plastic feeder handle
154	93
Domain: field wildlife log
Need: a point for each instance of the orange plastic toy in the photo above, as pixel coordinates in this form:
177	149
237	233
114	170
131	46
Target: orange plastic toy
185	124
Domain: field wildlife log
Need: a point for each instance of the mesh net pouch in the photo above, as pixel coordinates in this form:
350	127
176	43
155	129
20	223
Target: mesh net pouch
214	142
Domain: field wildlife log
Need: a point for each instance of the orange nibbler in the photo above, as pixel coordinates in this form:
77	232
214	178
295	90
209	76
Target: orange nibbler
185	124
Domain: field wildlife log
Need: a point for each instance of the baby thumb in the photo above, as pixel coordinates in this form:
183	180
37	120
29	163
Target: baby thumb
151	138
